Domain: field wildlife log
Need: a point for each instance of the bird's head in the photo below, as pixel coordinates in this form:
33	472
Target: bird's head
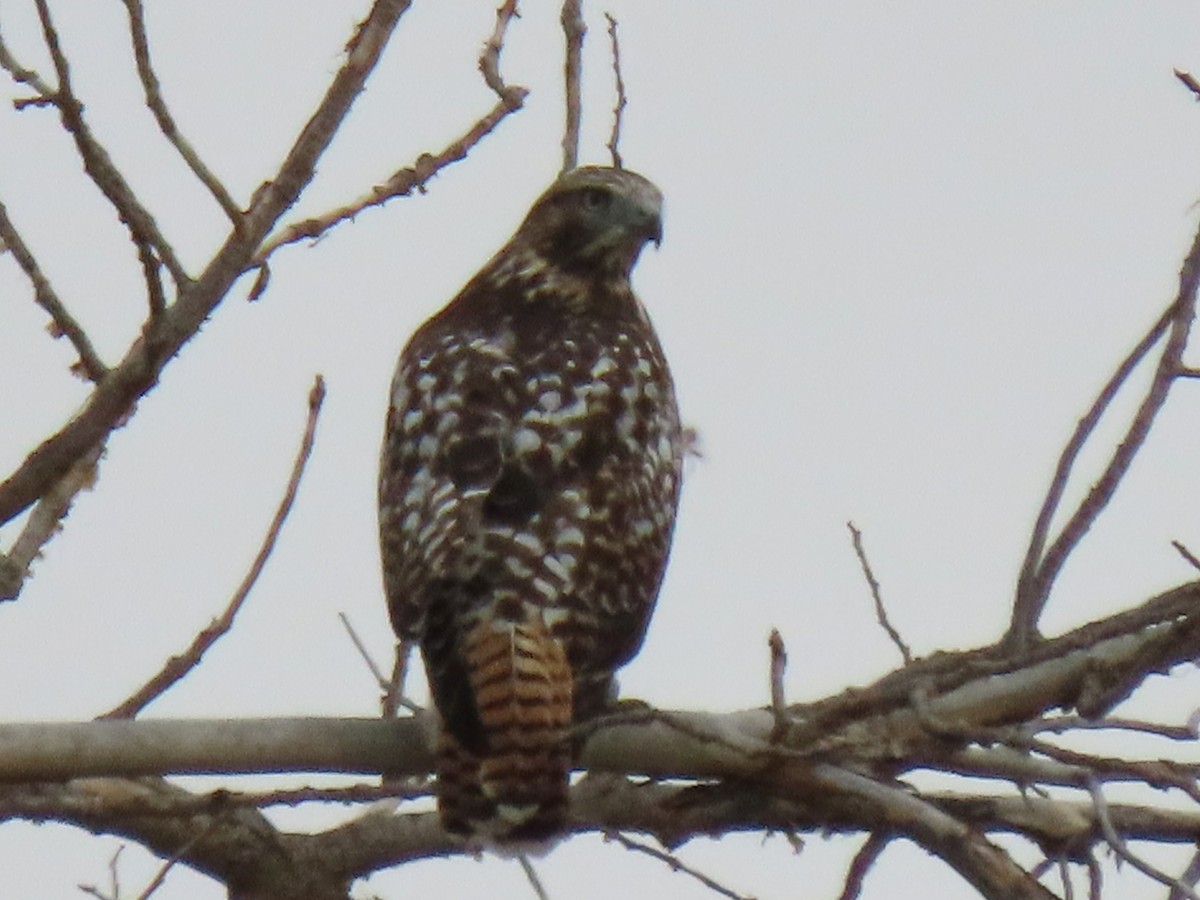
595	218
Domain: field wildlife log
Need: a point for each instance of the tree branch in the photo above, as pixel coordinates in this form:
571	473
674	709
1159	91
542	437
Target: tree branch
614	138
111	401
179	666
96	161
574	30
64	324
402	183
1040	569
44	522
162	115
881	615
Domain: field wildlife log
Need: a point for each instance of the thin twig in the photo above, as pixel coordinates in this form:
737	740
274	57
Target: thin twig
614	138
96	161
489	59
64	324
1187	554
363	652
44	94
677	865
393	694
1095	879
1189	82
178	666
574	30
401	184
864	859
1121	849
387	686
161	875
778	667
1059	724
114	878
1064	875
44	522
162	115
155	297
532	876
880	612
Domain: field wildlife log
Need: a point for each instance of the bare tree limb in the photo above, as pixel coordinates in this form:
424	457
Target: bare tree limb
179	666
1189	82
64	324
881	615
114	878
531	876
44	522
111	401
614	138
778	667
394	696
489	60
44	94
574	30
985	866
401	184
1118	845
1187	554
676	865
864	859
162	115
96	161
1189	877
156	298
1041	566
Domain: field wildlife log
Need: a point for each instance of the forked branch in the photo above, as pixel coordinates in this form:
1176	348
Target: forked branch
1041	565
110	403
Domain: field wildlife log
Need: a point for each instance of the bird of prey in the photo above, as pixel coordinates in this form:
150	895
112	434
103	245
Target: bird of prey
528	488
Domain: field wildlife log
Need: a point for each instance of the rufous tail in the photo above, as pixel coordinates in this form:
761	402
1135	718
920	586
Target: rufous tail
514	790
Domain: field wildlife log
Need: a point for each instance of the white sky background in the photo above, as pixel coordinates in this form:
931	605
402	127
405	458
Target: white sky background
905	244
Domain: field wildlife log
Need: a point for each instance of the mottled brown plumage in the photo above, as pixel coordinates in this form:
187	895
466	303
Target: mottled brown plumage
527	495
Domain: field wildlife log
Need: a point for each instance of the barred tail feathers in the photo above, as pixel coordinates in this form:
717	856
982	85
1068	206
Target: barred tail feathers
514	790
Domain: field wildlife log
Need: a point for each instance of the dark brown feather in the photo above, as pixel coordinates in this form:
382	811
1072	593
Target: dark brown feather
528	489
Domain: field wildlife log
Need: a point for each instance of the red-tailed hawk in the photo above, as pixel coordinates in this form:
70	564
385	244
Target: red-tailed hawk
527	495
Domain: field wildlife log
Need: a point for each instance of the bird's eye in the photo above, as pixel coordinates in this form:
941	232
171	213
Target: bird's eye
595	198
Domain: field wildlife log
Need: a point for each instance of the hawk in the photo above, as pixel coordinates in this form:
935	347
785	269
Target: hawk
527	495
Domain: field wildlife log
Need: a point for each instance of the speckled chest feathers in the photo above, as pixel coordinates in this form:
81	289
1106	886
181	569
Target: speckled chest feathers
527	496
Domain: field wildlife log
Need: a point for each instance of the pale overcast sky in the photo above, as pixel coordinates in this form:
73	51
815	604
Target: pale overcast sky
905	244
